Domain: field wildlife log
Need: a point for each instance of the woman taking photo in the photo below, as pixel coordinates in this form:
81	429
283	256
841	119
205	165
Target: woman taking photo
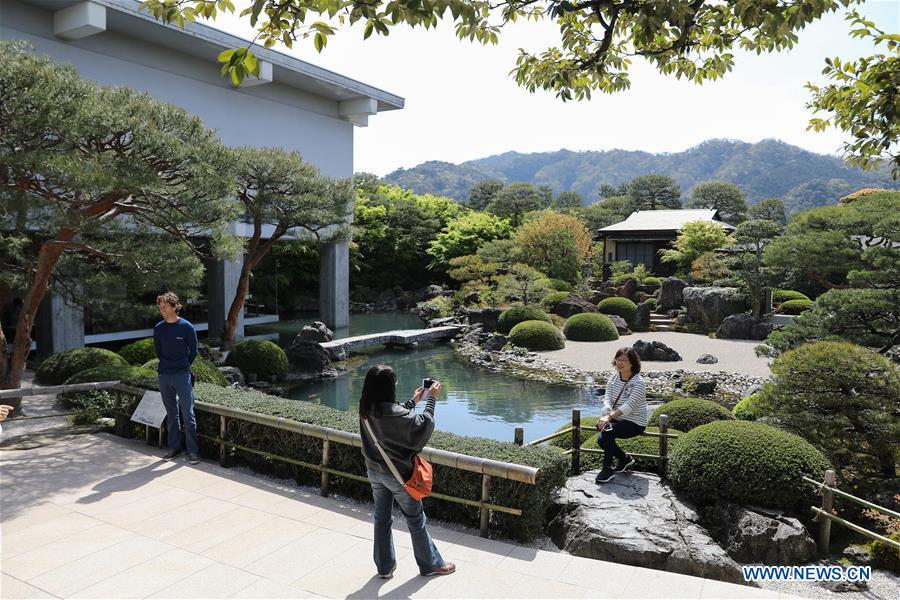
625	412
402	433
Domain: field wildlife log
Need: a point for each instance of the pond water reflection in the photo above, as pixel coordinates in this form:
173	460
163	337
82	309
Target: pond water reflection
476	401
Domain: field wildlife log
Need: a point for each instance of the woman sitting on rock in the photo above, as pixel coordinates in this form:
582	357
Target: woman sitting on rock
625	412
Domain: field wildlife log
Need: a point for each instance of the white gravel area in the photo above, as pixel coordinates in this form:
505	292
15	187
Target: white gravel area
735	356
883	586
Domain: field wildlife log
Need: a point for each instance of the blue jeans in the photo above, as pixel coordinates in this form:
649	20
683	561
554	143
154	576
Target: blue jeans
386	489
621	429
178	397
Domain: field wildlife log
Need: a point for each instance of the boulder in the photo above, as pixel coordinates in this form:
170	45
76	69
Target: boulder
487	317
597	296
655	351
628	288
743	326
620	323
429	291
696	385
387	300
707	359
759	536
642	317
636	519
495	342
317	332
573	305
311	358
472	298
670	293
640	297
709	306
233	375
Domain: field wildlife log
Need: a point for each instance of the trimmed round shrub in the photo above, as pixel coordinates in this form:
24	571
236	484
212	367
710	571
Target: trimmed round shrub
511	317
642	444
590	327
565	441
687	413
203	370
651	302
552	299
59	367
747	463
652	281
537	335
746	409
779	296
795	307
620	279
138	352
555	284
623	307
262	357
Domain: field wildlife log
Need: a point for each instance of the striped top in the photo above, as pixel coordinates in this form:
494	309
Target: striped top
633	402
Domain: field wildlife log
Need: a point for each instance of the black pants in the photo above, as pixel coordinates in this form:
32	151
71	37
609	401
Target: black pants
621	429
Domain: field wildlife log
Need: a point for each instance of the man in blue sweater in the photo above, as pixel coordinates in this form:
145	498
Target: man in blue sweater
176	347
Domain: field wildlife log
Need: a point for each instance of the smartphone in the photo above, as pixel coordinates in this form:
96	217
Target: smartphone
427	382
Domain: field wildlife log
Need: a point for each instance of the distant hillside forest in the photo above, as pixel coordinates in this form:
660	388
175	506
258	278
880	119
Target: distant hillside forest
767	169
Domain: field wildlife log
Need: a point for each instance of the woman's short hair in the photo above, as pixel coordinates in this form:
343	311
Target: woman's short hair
633	358
380	386
170	298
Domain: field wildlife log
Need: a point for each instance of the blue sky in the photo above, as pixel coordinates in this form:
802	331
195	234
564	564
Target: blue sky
461	103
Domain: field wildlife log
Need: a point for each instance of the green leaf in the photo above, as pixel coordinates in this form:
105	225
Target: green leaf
319	41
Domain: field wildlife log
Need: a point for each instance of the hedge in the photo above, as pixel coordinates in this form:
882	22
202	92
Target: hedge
61	366
746	409
534	500
623	307
779	296
511	317
749	463
651	302
642	444
203	370
100	402
795	307
537	335
262	357
590	327
687	413
652	281
565	441
138	352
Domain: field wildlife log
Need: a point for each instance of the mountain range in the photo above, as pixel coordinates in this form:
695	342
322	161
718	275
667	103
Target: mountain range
766	169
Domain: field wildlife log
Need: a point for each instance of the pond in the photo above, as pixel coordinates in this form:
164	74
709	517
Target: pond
474	401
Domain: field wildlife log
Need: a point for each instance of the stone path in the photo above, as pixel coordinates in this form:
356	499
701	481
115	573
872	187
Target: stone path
735	356
101	517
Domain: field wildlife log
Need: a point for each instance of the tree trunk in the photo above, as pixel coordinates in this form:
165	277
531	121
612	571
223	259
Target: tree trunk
255	254
47	259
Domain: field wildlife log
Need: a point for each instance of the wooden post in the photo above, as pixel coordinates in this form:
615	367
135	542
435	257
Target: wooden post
325	488
222	448
663	444
576	441
162	430
827	503
485	497
519	437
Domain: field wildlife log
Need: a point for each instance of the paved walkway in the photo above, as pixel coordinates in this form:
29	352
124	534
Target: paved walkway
95	516
735	356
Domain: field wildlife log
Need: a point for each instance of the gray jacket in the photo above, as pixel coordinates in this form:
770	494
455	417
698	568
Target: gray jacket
401	431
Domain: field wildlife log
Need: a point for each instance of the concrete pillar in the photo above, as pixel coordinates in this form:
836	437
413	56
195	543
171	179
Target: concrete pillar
334	284
221	283
59	326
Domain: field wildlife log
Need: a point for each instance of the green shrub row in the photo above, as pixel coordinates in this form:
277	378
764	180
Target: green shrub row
534	500
779	296
537	335
555	284
101	402
138	352
590	327
651	302
56	369
552	299
641	444
203	370
511	317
